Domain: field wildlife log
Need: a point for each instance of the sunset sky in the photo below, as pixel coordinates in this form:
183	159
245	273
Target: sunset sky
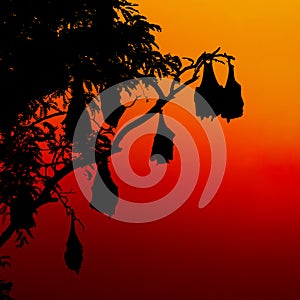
245	245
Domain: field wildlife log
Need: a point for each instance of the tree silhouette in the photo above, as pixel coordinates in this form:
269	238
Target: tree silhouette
55	57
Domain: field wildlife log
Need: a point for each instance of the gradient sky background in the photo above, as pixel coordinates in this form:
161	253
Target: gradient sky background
246	243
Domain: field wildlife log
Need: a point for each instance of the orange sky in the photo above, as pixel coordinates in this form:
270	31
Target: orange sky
264	38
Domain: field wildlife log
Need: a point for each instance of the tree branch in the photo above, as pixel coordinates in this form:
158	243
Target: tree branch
163	100
46	118
45	196
7	234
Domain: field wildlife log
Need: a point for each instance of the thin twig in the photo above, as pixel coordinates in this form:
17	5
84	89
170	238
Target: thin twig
63	199
131	105
46	118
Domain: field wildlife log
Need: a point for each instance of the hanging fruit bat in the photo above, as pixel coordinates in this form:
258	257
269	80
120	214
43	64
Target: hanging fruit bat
74	253
234	103
111	107
105	193
163	146
211	91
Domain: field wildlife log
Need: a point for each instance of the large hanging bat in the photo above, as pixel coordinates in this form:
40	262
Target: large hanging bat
111	107
105	193
234	103
211	91
162	149
74	252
